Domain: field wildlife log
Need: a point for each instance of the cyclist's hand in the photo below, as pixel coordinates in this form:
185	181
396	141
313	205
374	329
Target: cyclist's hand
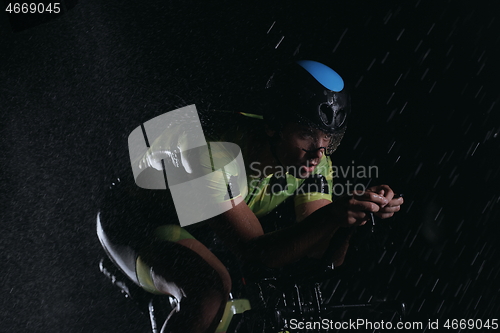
393	205
354	210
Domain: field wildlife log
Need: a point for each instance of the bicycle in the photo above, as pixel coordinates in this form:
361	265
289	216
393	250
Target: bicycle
261	300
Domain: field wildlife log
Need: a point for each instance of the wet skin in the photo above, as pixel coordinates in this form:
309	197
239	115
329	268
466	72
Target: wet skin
297	148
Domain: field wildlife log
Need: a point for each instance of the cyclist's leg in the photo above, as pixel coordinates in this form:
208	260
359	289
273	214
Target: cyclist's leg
123	256
128	230
203	280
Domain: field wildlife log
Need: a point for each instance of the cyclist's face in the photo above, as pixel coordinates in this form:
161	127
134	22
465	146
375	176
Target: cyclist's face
298	148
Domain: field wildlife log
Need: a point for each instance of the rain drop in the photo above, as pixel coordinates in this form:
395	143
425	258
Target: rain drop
390	148
389	100
277	45
371	64
340	40
449	50
399	78
400	34
418	280
270	28
432	27
385	58
418	169
435	284
430	90
425	73
448	65
359	81
403	108
418	46
420	307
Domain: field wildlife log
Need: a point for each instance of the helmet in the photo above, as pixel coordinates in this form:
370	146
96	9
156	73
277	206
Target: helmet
308	92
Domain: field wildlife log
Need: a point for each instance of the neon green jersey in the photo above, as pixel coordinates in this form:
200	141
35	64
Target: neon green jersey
263	195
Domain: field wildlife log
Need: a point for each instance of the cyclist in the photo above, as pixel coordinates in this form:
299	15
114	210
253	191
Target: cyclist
286	214
287	164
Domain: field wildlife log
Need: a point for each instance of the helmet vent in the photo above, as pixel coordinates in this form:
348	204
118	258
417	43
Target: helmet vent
340	117
326	113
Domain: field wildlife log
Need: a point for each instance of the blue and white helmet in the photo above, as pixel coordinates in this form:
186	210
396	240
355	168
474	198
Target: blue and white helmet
311	92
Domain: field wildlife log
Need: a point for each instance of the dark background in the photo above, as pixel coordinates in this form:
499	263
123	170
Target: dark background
423	78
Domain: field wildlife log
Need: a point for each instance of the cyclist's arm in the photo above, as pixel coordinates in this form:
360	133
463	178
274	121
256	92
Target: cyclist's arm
240	229
318	251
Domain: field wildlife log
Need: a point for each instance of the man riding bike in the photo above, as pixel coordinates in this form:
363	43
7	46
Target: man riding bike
282	205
